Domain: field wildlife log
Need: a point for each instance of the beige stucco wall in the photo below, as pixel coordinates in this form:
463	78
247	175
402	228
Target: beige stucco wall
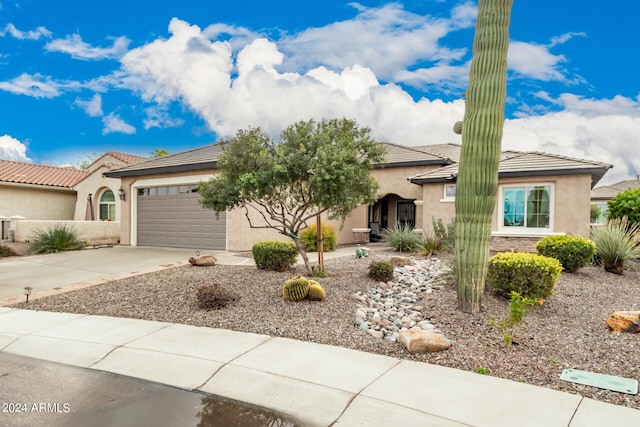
92	232
96	184
38	203
570	208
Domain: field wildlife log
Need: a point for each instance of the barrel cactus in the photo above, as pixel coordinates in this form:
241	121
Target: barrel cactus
316	291
295	289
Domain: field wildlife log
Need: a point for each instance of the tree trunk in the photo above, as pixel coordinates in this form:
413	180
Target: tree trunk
303	254
482	127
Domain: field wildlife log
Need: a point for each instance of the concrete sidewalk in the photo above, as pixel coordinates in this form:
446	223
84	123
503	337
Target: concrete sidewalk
317	384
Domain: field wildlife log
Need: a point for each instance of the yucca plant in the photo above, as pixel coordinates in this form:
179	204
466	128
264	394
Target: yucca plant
55	239
617	242
402	238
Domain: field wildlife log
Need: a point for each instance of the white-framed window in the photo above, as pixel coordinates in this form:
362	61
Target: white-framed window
599	213
107	206
526	208
449	193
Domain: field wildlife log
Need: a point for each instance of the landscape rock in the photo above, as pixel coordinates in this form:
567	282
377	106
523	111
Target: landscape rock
203	260
421	341
624	321
399	261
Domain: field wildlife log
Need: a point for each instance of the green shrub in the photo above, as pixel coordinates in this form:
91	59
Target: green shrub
274	255
617	241
401	238
626	204
530	275
381	271
211	297
55	239
431	245
573	252
309	238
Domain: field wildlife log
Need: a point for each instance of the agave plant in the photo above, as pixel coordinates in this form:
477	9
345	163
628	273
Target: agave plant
617	242
58	238
402	238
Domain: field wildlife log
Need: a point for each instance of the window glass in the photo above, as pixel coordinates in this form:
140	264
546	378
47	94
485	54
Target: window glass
107	206
528	207
162	191
152	191
107	196
173	190
185	189
449	191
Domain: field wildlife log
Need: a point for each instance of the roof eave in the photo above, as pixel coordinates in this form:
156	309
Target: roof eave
37	186
436	162
162	170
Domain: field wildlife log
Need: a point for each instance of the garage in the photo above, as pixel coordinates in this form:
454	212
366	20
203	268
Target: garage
171	216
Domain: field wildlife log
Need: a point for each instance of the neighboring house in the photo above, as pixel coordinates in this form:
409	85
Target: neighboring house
48	193
600	196
98	197
539	194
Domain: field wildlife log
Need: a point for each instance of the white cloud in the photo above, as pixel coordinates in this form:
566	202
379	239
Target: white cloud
159	118
114	124
25	35
93	106
78	49
385	39
35	85
13	149
534	61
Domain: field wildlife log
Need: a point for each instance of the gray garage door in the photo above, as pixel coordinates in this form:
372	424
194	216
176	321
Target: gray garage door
172	217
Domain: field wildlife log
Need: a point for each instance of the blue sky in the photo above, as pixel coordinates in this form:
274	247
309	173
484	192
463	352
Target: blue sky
142	75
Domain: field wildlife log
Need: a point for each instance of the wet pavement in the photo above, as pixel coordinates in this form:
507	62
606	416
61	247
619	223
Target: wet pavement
39	393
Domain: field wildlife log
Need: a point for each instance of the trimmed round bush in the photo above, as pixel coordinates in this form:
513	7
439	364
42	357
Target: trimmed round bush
309	238
275	255
573	252
381	271
530	275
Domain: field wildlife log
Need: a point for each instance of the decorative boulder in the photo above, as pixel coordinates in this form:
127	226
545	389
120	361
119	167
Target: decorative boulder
399	261
420	341
203	260
624	321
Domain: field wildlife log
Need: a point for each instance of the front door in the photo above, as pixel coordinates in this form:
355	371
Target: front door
406	214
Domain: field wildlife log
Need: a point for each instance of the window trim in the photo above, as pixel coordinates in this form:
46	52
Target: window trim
505	230
108	204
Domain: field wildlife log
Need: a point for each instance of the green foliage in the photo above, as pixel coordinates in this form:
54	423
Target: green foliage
309	238
316	291
431	245
446	234
626	204
274	255
617	240
596	211
315	167
518	306
6	251
401	238
573	252
530	275
57	238
482	371
381	271
211	297
158	152
295	289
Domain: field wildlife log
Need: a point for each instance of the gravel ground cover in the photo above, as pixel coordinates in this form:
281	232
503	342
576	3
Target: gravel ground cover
567	331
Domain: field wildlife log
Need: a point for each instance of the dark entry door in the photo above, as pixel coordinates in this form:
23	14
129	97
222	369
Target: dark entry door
406	214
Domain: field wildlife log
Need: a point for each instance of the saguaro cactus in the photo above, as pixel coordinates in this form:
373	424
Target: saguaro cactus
482	126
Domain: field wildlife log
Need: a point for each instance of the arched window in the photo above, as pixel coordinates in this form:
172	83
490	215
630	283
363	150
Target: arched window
107	206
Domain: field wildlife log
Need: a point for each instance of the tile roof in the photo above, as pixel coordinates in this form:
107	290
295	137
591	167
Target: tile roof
611	190
195	159
401	155
30	173
518	163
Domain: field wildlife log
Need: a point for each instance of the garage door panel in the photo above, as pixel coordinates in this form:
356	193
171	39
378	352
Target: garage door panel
178	220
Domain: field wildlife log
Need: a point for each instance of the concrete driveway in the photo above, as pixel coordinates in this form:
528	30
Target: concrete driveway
49	274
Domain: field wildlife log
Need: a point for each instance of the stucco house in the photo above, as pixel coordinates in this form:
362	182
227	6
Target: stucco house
540	194
600	196
47	193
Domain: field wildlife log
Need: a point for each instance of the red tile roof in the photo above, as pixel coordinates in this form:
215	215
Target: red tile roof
30	173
